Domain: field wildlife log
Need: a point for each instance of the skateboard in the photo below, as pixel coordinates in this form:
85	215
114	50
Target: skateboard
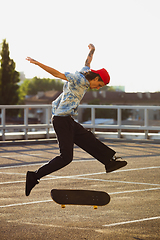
80	197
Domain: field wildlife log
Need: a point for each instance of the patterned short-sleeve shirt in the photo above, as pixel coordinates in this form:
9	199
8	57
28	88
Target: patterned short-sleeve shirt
73	91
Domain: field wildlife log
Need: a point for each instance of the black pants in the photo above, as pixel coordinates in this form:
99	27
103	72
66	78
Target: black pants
69	132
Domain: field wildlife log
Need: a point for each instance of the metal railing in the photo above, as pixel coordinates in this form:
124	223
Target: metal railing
47	125
119	126
26	126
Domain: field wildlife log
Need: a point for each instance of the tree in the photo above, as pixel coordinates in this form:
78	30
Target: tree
23	91
43	84
34	85
9	78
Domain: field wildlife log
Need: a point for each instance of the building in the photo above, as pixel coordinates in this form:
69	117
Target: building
104	97
123	98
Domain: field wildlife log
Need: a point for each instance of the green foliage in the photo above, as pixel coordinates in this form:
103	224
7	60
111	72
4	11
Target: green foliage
23	90
8	78
33	86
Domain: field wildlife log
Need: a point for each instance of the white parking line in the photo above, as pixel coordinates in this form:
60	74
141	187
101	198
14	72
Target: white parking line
21	155
13	182
22	174
49	225
40	163
132	191
136	169
133	221
23	165
27	203
105	180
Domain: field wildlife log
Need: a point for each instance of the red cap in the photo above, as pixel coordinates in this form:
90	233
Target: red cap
103	74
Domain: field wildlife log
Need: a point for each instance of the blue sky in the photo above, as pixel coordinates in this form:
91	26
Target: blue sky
57	33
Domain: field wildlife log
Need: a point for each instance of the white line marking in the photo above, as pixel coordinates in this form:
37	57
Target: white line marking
76	176
132	191
85	160
24	165
44	201
40	163
134	221
21	155
27	203
136	169
105	180
47	225
3	183
22	174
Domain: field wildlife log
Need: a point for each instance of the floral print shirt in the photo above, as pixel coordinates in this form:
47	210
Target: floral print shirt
73	91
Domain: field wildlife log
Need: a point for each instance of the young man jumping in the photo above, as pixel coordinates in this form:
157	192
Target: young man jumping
68	131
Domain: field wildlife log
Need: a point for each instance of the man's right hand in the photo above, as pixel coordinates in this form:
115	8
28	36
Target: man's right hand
31	60
50	70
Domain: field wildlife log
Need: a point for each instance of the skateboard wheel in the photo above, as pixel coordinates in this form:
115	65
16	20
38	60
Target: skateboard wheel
95	207
62	206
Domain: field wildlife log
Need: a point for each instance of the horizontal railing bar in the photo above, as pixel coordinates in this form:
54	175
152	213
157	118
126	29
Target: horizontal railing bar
120	106
83	106
25	127
129	127
26	106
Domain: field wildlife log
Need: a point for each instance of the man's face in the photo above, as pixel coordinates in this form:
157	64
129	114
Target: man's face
95	84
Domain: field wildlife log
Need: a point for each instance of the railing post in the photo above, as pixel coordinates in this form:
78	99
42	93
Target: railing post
119	120
26	122
47	122
146	122
93	118
3	119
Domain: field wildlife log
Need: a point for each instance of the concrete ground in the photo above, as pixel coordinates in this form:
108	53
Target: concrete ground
133	212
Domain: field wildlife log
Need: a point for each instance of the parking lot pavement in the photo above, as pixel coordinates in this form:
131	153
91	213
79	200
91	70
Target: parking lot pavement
133	212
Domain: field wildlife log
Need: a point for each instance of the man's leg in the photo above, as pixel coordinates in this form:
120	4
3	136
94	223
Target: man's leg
88	142
64	128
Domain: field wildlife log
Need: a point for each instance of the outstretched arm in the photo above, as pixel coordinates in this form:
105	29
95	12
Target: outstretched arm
90	55
50	70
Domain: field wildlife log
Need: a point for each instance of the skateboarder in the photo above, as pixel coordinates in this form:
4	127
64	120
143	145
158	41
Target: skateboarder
68	131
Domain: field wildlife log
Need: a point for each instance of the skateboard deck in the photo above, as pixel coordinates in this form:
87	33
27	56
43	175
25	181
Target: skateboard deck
80	197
